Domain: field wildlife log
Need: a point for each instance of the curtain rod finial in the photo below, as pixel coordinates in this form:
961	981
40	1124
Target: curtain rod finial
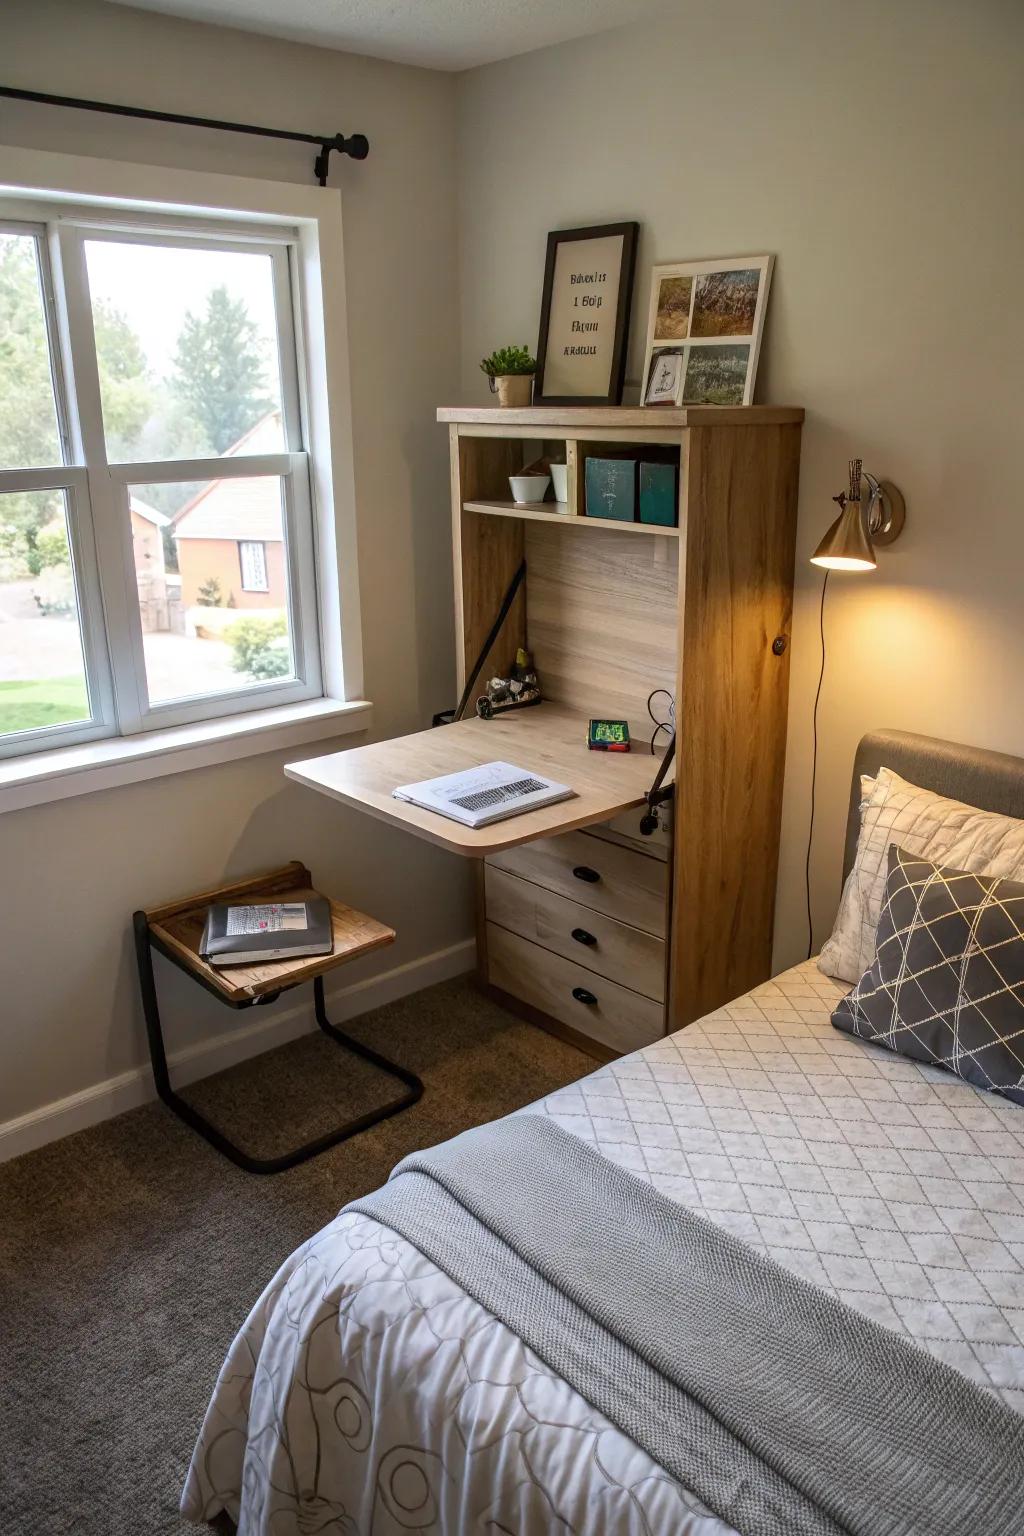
357	147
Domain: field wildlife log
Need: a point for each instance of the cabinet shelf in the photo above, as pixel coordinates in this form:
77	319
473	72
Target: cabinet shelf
551	512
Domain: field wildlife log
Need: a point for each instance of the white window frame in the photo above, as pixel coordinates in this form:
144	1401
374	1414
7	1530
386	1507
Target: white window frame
73	481
80	198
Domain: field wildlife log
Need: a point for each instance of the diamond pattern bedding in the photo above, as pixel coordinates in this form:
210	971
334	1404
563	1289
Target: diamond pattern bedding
889	1182
367	1394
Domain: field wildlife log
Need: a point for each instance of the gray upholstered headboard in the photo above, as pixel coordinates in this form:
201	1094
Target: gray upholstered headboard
992	780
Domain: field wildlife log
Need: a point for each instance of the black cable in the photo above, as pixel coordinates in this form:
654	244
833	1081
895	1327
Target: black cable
814	768
661	725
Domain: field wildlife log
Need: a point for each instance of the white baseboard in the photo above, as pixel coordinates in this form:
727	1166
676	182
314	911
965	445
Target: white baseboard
104	1100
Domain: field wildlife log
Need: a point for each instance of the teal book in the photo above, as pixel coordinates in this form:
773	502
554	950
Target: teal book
658	494
611	489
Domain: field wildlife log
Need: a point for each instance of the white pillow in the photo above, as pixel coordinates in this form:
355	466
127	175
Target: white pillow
945	831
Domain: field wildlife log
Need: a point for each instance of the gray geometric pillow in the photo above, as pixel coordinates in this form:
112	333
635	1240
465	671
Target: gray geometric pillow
947	982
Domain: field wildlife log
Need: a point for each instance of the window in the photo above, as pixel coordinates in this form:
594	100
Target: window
156	529
252	557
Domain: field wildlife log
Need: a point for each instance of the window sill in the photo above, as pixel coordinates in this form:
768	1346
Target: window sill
81	770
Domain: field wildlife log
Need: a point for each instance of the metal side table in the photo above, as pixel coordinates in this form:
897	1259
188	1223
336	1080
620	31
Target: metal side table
175	931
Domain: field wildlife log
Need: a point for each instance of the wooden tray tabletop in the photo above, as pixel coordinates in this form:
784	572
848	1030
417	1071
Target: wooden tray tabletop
177	929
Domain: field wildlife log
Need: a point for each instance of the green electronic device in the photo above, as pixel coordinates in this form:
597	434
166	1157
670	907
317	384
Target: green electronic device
608	736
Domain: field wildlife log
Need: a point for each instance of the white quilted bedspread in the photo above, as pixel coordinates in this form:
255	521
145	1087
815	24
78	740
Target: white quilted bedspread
893	1184
368	1395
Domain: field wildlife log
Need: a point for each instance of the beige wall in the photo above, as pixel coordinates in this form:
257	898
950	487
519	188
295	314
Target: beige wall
70	874
876	148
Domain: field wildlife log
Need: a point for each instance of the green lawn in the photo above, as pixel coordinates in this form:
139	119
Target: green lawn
42	701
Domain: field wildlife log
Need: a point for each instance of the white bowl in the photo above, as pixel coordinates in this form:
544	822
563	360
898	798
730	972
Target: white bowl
560	481
527	488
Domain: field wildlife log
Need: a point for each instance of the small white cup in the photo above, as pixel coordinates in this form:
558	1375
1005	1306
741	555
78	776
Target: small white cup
526	488
560	481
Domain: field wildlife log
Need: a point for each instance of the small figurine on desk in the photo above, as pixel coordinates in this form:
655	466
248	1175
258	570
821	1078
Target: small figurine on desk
514	692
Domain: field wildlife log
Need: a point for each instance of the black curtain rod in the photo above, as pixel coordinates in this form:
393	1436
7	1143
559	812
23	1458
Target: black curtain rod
357	145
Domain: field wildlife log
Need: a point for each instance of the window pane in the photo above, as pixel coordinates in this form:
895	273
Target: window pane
186	342
207	627
29	437
42	674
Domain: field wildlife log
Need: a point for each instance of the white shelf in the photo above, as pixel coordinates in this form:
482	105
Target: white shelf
558	512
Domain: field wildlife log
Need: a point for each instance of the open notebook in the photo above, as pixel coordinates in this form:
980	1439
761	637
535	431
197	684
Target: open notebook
478	796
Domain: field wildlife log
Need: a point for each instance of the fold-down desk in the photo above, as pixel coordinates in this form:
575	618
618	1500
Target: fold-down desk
547	738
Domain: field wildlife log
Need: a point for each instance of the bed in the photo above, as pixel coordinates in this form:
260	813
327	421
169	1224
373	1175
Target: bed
843	1286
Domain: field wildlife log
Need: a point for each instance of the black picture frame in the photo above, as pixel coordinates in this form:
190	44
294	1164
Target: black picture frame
617	372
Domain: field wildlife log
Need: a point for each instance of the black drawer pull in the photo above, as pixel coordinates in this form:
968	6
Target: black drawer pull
583	996
583	937
584	872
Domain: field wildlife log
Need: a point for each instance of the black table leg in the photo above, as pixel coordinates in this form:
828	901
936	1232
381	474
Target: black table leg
216	1138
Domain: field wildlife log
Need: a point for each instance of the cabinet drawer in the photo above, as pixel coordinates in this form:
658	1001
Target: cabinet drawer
603	876
612	949
588	1003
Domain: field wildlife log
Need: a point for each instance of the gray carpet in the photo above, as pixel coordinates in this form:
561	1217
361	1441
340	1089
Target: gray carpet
131	1253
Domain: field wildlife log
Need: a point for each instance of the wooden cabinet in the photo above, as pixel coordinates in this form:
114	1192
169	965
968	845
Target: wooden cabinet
611	612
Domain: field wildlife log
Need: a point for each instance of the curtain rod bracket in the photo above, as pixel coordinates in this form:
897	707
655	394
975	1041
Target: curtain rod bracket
356	146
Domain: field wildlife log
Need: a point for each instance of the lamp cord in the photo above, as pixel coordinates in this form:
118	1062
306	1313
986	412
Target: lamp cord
814	768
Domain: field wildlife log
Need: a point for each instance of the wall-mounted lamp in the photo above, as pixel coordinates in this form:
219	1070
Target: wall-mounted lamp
849	545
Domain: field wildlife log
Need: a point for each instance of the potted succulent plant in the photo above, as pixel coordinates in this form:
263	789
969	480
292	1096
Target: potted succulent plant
510	371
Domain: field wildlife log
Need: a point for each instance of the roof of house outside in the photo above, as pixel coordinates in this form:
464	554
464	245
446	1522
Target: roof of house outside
158	519
239	509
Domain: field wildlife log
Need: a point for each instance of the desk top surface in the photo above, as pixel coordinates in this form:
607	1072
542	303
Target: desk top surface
547	738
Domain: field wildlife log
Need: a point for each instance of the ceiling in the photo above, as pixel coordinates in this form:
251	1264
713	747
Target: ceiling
441	34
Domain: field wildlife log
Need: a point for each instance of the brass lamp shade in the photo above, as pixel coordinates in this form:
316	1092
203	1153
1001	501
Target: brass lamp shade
846	546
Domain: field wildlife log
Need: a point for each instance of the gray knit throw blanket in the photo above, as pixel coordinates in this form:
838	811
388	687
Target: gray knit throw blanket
788	1413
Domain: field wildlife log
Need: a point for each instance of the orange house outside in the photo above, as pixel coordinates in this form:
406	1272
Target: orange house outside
231	533
201	560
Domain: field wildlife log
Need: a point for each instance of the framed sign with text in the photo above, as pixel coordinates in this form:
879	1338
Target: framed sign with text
584	316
